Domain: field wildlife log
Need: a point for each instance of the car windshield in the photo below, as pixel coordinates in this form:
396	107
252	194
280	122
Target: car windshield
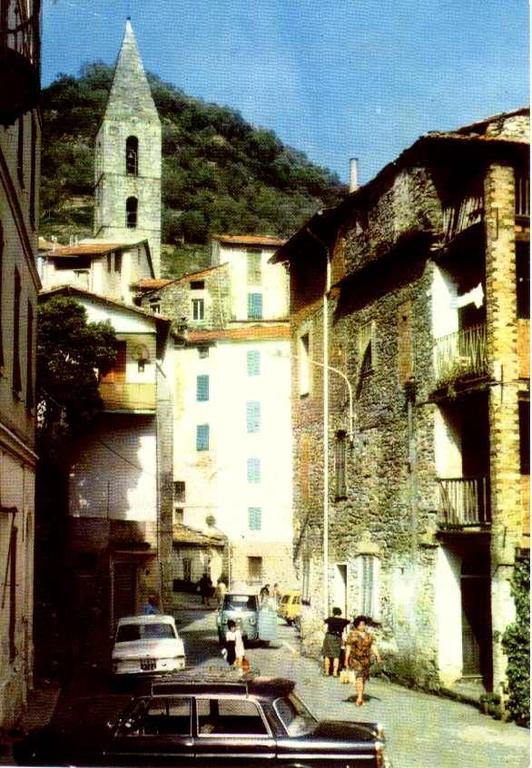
129	632
294	715
240	603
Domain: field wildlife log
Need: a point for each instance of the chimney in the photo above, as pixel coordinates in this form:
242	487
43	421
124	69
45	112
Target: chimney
353	174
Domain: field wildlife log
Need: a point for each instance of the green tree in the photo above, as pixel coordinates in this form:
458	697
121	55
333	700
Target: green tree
70	352
516	643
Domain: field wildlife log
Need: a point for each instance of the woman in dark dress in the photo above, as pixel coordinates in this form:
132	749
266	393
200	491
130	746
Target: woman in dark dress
360	648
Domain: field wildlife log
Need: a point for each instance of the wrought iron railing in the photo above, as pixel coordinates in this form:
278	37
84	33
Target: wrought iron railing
461	215
127	396
461	354
19	31
463	501
522	196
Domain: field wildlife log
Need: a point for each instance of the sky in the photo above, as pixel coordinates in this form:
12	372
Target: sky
333	78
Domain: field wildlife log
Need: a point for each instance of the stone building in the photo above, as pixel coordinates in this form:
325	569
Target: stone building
20	129
232	444
413	296
127	172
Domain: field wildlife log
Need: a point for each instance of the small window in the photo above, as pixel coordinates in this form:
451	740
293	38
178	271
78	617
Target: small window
109	262
202	437
198	309
254	306
304	364
254	518
253	470
179	490
202	388
253	416
524	437
366	348
118	262
132	156
230	717
16	381
368	574
522	266
197	285
253	360
340	456
203	351
255	569
178	515
132	205
254	266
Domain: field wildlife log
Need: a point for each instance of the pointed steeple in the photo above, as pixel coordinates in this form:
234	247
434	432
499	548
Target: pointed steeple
130	93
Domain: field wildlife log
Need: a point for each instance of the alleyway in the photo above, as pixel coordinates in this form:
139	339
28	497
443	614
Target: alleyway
423	731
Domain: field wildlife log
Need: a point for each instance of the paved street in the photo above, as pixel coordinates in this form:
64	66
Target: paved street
423	731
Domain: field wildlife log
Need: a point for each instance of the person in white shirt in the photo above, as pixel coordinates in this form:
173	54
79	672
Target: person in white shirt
234	644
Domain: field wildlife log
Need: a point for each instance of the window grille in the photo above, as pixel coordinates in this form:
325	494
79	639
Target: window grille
202	437
254	518
254	306
202	388
253	361
254	470
253	416
369	571
254	264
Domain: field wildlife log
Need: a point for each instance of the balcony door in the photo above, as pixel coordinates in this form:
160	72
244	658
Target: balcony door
117	374
476	618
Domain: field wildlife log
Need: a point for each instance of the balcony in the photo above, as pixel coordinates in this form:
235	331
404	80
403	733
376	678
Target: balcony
128	396
463	502
462	215
461	355
19	59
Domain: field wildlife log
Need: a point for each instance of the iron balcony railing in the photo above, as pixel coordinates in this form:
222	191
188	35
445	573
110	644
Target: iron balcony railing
19	57
522	196
462	215
463	502
127	396
462	354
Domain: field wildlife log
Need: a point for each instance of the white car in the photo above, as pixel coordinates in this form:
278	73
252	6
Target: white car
147	645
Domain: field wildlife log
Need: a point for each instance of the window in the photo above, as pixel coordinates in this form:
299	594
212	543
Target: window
253	470
187	569
179	490
255	569
253	416
254	264
368	573
30	400
230	717
179	514
198	309
12	563
522	266
202	388
20	151
339	460
253	359
197	285
254	518
109	261
304	364
132	156
254	306
118	262
163	717
366	347
203	351
202	437
16	385
132	205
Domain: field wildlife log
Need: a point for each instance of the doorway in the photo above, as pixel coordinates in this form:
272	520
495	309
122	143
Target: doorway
340	587
476	618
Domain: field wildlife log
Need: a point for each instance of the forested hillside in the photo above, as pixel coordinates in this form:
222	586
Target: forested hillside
220	174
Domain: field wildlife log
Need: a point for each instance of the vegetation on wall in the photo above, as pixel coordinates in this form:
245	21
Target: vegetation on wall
516	643
220	174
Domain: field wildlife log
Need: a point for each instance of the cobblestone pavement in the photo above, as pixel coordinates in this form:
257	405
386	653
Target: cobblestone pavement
422	730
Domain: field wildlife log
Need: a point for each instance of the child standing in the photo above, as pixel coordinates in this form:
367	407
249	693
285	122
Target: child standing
234	644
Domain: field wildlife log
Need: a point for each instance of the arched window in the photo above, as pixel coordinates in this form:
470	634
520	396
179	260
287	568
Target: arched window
132	156
132	205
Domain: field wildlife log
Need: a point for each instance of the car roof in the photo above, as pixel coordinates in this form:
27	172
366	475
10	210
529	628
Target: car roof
195	682
147	618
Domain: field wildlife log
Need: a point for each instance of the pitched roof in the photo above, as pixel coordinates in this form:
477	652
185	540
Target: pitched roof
241	333
89	248
150	284
248	240
182	534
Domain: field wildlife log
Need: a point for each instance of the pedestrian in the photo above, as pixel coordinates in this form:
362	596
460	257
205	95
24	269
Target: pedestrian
151	607
234	645
205	588
276	594
264	594
220	591
332	642
360	648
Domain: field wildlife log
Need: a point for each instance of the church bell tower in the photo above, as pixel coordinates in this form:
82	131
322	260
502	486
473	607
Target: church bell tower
128	158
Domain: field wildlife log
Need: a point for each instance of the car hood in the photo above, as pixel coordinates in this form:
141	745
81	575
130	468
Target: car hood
345	730
154	647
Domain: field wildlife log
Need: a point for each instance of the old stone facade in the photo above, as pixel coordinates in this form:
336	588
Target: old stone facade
415	290
20	132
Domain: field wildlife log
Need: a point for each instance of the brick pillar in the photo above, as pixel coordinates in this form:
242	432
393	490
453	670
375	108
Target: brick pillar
503	401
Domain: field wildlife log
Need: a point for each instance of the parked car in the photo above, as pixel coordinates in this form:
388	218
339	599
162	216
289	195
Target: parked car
147	645
243	608
208	721
289	607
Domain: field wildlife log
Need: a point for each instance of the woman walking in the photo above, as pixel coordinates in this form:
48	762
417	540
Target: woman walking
360	648
332	642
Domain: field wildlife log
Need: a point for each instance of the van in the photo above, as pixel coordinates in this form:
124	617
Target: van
289	607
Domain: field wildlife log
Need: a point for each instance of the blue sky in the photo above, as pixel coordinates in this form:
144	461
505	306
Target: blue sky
333	78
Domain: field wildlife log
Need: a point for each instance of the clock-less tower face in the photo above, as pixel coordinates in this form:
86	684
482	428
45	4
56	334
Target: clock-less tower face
128	158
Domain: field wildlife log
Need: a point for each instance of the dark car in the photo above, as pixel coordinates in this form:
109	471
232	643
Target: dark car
210	720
